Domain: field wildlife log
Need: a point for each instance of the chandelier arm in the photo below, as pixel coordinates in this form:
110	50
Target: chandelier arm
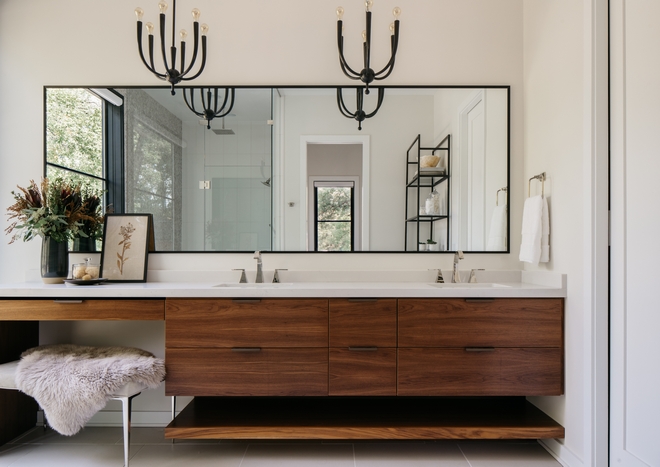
359	99
342	107
215	101
183	54
381	96
140	50
395	45
162	76
195	50
162	41
348	71
191	104
231	104
207	102
201	68
367	43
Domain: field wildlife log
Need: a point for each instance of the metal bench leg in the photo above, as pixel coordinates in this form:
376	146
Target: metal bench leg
127	403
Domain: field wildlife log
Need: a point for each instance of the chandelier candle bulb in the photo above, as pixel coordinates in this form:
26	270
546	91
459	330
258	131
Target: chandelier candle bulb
196	14
340	13
139	12
150	28
205	29
162	6
183	35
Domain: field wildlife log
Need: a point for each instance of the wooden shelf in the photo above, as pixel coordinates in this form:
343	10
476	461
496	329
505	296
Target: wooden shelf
362	418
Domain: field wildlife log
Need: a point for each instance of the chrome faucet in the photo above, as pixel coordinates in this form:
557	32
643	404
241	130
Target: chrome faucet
456	277
260	274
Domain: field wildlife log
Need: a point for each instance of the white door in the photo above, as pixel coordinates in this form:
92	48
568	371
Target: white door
635	238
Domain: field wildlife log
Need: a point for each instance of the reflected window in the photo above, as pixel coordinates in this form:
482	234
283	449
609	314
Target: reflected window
334	208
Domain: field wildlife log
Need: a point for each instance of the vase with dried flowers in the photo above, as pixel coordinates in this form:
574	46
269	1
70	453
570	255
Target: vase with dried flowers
91	228
53	211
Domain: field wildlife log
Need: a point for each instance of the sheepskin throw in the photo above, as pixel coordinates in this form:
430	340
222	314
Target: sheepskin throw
72	383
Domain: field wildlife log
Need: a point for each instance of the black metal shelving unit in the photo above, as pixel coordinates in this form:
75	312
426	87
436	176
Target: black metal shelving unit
417	182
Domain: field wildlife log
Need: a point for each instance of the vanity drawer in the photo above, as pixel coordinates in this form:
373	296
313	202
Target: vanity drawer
362	372
79	309
247	372
362	322
480	372
460	322
247	323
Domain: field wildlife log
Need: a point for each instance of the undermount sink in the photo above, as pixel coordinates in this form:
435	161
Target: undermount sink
253	285
469	285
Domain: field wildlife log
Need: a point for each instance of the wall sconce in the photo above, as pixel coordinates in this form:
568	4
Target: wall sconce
209	101
360	115
171	74
368	75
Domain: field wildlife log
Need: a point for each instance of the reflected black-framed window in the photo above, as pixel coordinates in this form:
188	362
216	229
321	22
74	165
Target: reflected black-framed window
334	216
84	139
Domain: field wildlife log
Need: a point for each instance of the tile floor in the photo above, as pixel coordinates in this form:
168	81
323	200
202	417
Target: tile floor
101	447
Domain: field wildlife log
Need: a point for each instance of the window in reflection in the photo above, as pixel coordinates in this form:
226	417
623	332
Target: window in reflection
334	219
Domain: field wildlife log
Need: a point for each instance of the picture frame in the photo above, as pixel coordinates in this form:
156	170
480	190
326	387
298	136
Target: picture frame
127	240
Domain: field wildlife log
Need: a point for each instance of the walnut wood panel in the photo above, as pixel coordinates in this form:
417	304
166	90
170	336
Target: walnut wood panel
362	323
362	373
499	372
268	372
458	322
236	323
362	418
76	309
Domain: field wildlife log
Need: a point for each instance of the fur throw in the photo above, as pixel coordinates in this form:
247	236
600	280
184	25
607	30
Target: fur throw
72	383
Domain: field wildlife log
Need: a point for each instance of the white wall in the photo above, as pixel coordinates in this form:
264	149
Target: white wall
562	113
78	42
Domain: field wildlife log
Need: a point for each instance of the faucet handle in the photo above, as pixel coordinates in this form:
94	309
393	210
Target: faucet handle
438	279
276	276
243	279
473	276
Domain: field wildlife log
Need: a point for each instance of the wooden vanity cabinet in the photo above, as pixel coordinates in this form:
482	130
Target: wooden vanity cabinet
362	335
480	347
236	347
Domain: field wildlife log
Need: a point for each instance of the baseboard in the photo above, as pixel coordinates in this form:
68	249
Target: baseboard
560	452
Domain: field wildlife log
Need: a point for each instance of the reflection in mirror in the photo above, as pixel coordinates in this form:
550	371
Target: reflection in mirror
284	171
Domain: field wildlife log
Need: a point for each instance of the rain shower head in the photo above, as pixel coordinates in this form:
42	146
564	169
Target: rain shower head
223	131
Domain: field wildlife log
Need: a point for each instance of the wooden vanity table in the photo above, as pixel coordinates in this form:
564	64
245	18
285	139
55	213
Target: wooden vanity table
299	365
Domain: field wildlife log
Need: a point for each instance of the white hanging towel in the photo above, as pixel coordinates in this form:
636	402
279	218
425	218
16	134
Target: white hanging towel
497	234
545	233
532	230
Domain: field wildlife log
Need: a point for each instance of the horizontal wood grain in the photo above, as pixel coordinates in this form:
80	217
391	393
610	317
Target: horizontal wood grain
228	323
355	323
362	373
496	372
457	322
266	372
77	309
362	418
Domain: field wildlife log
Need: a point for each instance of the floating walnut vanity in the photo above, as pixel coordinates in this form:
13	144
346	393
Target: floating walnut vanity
348	361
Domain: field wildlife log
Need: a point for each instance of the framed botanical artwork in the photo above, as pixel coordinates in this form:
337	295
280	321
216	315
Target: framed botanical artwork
127	240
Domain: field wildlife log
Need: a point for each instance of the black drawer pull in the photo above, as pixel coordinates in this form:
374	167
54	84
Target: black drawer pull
246	349
479	300
246	300
67	301
479	349
362	300
363	349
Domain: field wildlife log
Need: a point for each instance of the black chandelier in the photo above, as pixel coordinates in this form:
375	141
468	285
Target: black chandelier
368	75
360	115
209	100
171	74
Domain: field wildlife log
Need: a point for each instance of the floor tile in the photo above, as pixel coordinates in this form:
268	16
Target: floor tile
507	454
92	435
216	455
10	453
65	455
445	454
299	455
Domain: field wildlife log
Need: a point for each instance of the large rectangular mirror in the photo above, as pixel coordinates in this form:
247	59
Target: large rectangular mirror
285	171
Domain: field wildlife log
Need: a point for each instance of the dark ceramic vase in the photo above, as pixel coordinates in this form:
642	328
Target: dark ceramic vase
84	245
54	261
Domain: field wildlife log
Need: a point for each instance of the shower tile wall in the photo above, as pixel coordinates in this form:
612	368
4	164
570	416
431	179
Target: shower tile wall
235	214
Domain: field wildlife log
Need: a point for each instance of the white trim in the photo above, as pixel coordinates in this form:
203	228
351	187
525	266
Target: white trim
366	163
108	95
561	453
596	235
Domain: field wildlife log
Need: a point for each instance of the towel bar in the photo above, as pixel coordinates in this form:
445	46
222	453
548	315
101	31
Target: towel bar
540	177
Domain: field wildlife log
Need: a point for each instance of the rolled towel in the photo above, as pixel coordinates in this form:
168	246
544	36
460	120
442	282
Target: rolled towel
532	230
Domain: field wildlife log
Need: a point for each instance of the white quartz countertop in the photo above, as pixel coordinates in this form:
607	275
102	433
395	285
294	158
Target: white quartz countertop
510	284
